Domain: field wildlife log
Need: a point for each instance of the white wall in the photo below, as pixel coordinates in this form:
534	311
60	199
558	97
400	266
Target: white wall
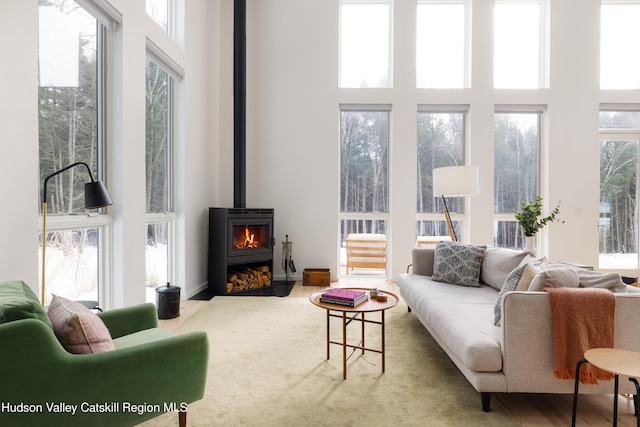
19	142
293	125
196	143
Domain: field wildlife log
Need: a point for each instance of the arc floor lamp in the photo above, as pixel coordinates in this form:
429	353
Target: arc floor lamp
455	181
95	196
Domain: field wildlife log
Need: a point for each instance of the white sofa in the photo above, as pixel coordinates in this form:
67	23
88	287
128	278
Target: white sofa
516	357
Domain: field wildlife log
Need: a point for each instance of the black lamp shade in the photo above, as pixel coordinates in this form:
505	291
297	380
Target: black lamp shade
96	195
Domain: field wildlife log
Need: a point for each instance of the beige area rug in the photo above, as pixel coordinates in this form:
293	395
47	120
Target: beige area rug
268	367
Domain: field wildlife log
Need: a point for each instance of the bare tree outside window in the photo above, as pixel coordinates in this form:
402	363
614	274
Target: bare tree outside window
619	173
364	162
157	139
441	138
516	171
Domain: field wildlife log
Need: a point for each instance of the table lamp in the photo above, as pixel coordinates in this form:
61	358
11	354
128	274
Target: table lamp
455	181
95	196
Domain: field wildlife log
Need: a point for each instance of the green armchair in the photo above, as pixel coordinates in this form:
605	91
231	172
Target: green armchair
151	370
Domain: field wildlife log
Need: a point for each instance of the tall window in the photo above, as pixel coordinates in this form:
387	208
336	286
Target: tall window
365	43
71	112
519	44
619	44
516	171
619	163
441	141
364	170
441	44
158	10
159	177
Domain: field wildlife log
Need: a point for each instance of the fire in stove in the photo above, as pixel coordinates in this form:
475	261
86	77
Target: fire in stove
246	239
241	246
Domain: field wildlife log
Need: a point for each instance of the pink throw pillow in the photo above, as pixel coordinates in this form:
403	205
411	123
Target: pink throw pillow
79	330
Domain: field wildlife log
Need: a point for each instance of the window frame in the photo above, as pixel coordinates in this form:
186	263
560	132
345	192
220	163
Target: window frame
461	219
540	110
467	70
169	216
365	217
390	3
631	134
543	45
100	219
604	3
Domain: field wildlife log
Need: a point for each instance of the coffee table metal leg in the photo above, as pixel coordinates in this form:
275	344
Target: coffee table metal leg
382	326
328	336
344	345
362	338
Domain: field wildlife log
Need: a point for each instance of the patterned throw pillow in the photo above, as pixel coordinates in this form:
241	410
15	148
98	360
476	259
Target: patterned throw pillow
510	284
458	264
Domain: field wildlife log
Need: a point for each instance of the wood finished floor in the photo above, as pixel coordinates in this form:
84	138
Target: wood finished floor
530	410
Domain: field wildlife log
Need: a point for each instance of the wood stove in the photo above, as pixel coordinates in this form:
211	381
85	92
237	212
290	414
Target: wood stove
241	245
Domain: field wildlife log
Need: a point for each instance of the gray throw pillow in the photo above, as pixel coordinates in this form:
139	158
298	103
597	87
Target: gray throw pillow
561	277
510	284
599	279
457	263
498	263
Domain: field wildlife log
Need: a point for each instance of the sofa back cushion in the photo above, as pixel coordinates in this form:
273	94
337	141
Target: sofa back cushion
17	302
422	261
497	263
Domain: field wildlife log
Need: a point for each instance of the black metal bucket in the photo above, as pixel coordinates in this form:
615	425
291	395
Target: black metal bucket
168	301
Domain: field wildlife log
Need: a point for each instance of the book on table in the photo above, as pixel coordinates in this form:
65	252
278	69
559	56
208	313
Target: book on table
343	294
346	297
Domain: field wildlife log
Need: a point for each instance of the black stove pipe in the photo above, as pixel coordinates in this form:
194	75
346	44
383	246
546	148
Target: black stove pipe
239	103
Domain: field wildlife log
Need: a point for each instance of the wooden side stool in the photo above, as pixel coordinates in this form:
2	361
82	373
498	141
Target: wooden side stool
618	362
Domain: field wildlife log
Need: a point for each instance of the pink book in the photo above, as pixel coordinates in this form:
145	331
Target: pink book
343	294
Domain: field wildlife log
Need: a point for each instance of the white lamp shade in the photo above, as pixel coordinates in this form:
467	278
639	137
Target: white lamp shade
456	181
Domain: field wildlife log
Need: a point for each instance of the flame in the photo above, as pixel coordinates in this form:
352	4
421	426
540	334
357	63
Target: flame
249	240
249	237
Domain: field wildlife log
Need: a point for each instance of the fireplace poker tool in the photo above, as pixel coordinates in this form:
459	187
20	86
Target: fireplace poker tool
287	260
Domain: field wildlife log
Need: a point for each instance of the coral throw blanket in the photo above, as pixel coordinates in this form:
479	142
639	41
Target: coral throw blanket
583	318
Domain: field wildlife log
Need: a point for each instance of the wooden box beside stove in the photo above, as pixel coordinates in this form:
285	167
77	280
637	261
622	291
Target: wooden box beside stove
316	277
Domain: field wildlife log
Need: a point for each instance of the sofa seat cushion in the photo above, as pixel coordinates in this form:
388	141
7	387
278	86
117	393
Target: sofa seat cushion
142	337
461	317
17	302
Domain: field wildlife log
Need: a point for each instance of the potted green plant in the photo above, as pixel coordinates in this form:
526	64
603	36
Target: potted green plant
531	220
